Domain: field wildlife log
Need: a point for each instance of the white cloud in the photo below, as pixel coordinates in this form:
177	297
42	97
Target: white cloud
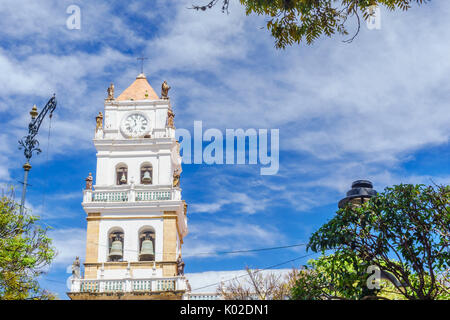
43	25
194	40
344	111
208	239
4	170
377	98
224	65
243	203
69	244
42	75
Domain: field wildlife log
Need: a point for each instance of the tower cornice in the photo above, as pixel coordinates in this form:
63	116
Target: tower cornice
112	105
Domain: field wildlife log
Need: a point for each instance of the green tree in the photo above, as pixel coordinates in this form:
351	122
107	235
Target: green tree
341	275
25	251
404	231
294	21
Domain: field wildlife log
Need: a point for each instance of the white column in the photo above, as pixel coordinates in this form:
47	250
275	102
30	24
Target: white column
128	285
101	286
132	194
76	285
87	195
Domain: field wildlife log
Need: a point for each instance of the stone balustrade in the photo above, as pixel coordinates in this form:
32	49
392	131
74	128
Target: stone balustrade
202	296
131	195
128	285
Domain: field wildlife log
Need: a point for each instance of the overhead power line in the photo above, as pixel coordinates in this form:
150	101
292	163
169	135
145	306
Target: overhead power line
220	252
246	251
259	270
241	276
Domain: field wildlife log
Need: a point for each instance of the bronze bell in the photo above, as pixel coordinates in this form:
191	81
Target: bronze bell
147	178
123	180
147	251
116	250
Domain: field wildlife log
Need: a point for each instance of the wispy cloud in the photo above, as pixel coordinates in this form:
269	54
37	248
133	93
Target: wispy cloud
345	111
69	243
244	204
205	239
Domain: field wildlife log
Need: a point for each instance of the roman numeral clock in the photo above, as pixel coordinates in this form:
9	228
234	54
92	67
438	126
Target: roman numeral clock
135	125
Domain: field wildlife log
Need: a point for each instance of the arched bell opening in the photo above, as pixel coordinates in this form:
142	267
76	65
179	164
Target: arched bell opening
115	245
146	173
121	174
147	244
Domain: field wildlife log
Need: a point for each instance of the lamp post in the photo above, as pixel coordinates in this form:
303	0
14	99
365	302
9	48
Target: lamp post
30	144
361	191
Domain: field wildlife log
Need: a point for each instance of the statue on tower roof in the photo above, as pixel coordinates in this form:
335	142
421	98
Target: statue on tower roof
170	116
110	92
176	180
165	90
180	266
185	206
76	268
89	181
99	121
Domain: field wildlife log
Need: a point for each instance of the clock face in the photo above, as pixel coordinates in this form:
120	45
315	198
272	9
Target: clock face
135	125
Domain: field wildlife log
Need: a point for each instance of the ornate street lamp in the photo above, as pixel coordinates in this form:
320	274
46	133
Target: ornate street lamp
30	144
361	191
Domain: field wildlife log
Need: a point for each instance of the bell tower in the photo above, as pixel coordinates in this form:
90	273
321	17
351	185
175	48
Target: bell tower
136	218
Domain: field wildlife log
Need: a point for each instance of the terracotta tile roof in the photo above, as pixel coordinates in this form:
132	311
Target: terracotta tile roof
140	89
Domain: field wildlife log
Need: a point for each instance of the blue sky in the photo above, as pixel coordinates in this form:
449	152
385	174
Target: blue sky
377	109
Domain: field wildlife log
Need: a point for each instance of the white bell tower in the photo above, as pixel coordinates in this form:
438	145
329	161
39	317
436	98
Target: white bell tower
136	218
